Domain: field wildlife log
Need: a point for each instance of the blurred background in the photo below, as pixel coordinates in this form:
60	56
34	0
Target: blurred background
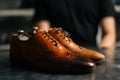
17	14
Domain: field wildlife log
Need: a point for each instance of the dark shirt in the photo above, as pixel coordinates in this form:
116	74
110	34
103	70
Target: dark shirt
79	17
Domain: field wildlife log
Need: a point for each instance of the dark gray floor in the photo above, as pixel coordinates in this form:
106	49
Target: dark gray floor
106	71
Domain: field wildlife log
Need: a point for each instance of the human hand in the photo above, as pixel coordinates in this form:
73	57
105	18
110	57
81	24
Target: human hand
108	48
43	25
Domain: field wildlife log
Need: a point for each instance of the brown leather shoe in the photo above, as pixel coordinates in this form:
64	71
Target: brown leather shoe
64	39
42	51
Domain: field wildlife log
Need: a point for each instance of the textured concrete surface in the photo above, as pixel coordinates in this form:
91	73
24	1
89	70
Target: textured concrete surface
106	71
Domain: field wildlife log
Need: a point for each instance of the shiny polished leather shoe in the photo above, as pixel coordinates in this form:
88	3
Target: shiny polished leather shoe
64	38
41	51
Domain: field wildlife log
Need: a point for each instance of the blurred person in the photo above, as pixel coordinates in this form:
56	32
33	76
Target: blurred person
27	3
81	19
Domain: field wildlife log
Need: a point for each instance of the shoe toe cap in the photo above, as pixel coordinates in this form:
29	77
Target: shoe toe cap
99	57
85	63
96	56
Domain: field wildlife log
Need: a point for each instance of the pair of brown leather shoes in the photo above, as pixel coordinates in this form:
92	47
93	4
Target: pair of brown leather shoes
43	51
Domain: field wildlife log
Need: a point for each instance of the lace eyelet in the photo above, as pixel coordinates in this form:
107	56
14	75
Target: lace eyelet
68	54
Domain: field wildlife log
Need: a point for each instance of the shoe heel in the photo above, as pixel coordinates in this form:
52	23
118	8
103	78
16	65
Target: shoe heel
16	61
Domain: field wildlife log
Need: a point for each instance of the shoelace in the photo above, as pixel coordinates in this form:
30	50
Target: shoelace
65	34
67	37
53	40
